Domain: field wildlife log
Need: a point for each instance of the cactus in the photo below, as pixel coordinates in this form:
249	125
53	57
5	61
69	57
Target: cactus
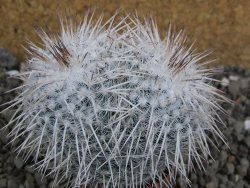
114	105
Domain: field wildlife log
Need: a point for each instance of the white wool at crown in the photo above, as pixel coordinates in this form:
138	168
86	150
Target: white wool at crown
113	105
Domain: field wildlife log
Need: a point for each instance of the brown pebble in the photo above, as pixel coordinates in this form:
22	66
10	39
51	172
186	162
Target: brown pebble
231	159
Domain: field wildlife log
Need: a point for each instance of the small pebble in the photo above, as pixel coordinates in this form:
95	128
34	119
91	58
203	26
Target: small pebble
225	82
240	184
29	177
239	127
223	156
12	72
3	137
211	185
222	178
234	89
242	170
230	168
29	184
12	183
18	162
231	159
247	141
233	78
244	83
237	177
247	124
7	60
222	186
244	162
3	183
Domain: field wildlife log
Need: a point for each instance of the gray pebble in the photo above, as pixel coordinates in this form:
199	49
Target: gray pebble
223	179
242	170
239	127
231	121
193	178
234	89
3	183
3	137
240	184
240	137
29	177
7	60
29	184
244	83
10	167
212	185
244	162
247	72
234	148
223	156
12	183
222	186
43	186
3	176
230	168
182	183
18	162
202	181
10	159
247	141
29	180
230	184
214	167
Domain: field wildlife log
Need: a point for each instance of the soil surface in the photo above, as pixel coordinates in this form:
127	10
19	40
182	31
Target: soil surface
222	26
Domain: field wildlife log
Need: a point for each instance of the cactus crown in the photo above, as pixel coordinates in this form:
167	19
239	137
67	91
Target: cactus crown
115	105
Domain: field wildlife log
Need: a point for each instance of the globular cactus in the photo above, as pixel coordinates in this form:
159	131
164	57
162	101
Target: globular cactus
115	106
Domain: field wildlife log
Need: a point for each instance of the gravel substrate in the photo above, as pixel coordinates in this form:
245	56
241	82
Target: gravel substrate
229	169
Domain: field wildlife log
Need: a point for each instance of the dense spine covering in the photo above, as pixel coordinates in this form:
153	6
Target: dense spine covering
114	105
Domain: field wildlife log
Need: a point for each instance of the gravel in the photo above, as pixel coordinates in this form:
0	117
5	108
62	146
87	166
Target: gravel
229	169
18	162
7	60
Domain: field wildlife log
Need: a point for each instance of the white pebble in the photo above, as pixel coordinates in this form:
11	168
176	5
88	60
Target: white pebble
224	82
233	78
247	124
12	72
